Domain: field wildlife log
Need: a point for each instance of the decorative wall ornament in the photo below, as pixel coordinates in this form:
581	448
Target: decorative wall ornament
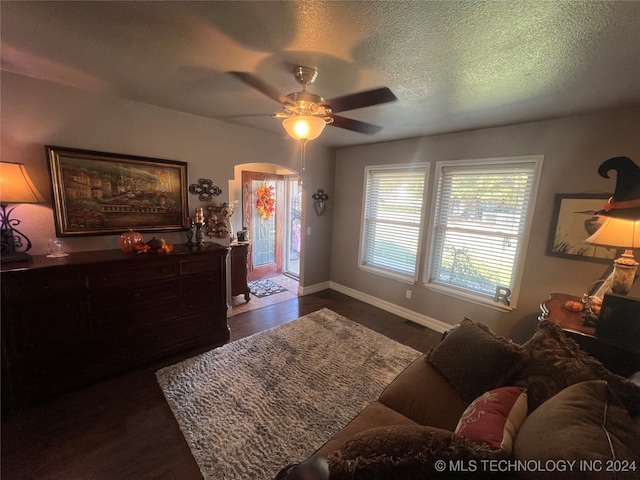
265	202
205	190
320	201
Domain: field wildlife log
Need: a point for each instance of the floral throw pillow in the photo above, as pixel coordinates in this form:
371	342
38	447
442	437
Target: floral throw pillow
494	418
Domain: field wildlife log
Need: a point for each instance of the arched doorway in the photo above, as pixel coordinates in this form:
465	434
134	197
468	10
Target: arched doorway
275	238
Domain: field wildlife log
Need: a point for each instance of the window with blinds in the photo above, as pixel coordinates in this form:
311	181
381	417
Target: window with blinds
482	224
392	219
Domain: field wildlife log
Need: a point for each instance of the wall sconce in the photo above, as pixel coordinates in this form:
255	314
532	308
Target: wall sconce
15	187
320	201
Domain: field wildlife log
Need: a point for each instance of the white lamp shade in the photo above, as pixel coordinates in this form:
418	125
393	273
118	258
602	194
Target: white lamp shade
617	232
304	127
16	186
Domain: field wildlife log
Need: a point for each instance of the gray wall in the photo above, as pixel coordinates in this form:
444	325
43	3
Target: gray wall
37	113
573	148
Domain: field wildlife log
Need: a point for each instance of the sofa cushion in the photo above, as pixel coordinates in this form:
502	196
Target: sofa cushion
373	415
556	361
494	418
585	422
474	359
404	452
421	393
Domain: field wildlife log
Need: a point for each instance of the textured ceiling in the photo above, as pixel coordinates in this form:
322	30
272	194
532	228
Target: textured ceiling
453	65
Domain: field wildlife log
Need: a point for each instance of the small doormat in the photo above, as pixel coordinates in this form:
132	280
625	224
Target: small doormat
264	288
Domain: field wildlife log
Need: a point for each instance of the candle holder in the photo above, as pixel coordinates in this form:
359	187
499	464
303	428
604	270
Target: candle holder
198	221
199	234
189	237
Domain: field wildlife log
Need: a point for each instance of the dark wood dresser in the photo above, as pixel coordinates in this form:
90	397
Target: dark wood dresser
72	320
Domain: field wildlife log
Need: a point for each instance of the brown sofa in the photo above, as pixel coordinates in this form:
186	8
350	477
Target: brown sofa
569	418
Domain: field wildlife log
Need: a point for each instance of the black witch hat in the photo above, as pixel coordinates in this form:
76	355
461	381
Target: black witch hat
625	202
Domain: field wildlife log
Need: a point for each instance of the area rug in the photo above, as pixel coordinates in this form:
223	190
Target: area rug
252	406
264	288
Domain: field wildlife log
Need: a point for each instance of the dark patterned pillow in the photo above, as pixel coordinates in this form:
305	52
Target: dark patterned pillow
556	361
474	359
404	452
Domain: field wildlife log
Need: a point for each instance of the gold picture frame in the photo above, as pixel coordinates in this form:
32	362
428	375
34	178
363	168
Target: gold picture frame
99	193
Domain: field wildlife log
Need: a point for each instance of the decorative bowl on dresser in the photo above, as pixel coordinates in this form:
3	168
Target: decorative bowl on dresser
69	321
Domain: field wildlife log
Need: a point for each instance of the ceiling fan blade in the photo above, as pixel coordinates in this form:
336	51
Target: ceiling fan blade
261	86
361	99
354	125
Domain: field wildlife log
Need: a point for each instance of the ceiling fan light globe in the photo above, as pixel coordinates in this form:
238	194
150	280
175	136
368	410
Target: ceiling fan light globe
304	127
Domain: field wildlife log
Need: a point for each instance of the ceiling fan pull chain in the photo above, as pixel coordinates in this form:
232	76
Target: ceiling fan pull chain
303	153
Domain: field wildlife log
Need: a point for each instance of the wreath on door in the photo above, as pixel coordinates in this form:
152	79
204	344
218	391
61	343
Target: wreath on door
265	203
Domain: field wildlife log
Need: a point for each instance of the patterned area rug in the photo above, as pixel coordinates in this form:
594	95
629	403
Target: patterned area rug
264	288
252	406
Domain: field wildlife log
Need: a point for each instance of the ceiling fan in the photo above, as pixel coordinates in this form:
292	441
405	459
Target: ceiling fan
306	114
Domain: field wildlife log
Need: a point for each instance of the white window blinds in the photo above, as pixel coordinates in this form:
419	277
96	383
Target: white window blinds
392	218
480	225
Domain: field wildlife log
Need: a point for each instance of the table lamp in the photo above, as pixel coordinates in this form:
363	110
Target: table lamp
619	233
15	187
621	228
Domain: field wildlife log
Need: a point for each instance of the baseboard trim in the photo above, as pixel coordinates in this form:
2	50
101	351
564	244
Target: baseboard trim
318	287
416	317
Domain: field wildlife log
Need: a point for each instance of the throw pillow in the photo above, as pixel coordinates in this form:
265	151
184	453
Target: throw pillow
494	418
585	423
556	361
474	359
406	452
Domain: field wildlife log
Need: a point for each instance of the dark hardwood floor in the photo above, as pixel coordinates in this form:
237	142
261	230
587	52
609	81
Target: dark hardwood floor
122	427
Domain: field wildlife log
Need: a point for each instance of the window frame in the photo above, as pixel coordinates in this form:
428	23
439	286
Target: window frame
476	297
377	270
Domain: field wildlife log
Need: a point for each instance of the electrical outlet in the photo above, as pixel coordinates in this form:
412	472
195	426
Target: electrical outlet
408	294
308	230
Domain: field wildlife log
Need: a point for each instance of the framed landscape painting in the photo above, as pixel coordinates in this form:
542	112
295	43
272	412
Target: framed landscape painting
97	193
573	222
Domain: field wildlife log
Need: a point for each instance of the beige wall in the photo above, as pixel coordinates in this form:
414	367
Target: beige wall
37	113
573	148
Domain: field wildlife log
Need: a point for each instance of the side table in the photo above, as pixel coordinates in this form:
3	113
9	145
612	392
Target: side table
621	359
239	259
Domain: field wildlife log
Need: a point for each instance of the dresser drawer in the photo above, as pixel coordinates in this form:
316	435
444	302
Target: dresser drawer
124	275
167	337
134	295
120	321
201	292
205	264
50	375
30	288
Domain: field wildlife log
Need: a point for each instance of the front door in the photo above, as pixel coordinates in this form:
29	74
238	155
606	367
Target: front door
266	228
